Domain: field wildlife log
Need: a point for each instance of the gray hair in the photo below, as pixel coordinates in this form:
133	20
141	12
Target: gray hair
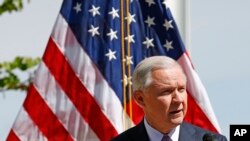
142	73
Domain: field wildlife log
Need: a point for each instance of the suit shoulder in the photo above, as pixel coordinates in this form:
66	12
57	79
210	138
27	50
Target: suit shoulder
201	132
126	135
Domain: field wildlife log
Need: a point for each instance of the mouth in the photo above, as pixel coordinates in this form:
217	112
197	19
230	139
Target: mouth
176	112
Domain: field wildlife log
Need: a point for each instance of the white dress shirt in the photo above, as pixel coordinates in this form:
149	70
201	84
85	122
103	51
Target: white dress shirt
155	135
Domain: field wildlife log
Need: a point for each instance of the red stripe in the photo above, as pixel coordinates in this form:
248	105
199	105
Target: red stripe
12	136
197	117
79	95
44	118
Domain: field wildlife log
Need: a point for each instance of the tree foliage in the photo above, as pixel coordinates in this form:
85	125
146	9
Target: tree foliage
11	5
10	73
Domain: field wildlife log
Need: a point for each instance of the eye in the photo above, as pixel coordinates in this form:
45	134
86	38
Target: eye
182	89
168	91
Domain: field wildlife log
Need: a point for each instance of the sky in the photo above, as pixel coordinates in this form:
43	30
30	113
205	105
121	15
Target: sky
219	48
220	53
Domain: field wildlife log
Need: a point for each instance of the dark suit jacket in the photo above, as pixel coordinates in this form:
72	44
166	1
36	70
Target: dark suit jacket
188	132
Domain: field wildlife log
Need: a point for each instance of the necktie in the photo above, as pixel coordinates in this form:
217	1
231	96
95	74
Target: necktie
165	138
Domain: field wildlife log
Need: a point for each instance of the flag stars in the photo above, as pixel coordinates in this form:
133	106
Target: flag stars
95	10
148	42
150	2
128	60
168	24
114	13
78	7
150	21
111	54
130	38
127	80
130	18
168	45
94	31
112	34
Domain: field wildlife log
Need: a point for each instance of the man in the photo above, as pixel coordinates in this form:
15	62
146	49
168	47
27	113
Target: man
159	88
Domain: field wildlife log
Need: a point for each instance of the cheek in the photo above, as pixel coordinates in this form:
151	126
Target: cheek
185	97
185	103
157	103
164	102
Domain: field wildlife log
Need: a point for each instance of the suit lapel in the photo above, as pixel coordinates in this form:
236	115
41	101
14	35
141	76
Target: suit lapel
143	136
138	133
187	133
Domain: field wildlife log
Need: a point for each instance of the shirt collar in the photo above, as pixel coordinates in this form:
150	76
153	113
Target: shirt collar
155	135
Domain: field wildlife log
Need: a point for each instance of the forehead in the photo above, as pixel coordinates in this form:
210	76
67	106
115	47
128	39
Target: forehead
168	75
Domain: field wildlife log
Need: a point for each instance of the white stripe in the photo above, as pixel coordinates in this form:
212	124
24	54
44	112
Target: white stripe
197	90
61	105
89	74
25	129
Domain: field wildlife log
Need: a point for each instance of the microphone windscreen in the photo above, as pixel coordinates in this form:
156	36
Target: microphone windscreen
209	137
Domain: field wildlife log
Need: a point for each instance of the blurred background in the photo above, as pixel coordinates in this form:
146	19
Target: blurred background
218	40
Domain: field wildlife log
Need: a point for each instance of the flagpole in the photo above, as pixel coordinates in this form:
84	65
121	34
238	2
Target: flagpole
123	64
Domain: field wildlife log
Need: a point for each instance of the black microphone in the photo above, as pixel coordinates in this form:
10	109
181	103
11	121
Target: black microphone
209	137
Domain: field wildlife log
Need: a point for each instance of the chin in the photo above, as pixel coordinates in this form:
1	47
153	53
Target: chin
177	121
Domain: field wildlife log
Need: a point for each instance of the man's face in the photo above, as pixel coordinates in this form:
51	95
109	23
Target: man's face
164	101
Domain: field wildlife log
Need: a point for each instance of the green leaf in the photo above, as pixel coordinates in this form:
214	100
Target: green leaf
11	5
11	81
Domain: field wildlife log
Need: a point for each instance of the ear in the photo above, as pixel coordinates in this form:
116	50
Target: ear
138	96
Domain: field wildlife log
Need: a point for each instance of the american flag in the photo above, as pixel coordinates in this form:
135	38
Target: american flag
82	88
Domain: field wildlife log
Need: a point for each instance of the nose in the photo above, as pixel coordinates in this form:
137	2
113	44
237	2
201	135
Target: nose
177	97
